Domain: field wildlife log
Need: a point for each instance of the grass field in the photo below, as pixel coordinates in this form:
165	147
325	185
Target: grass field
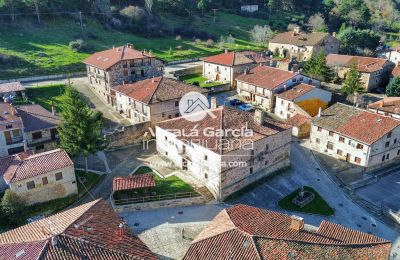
44	50
45	96
317	206
192	78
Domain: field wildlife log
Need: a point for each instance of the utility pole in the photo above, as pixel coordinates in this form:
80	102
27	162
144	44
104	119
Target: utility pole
80	19
215	10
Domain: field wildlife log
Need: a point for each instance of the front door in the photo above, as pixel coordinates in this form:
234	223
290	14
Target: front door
184	164
217	77
348	157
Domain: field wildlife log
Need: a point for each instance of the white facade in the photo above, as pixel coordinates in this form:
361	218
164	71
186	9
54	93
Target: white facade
392	55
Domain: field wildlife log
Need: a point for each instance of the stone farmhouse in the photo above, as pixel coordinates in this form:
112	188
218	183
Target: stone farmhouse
375	72
301	99
389	106
119	65
246	232
226	66
90	231
227	151
260	85
303	45
355	135
14	89
39	177
153	99
11	130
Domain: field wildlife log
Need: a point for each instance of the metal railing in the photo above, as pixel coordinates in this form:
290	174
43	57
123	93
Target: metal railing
173	196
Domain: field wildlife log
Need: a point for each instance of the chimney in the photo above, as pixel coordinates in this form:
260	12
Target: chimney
246	71
319	111
54	240
214	103
53	109
334	34
226	50
26	148
121	229
297	223
382	103
296	30
259	116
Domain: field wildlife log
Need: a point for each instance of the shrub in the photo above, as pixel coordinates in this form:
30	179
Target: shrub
209	43
178	38
77	46
13	207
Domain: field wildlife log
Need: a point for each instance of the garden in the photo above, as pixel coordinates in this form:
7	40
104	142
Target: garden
199	80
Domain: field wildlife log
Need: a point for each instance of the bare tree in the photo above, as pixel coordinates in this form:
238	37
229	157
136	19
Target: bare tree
261	34
317	23
148	4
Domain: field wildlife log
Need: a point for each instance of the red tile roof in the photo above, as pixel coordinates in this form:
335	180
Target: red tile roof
24	250
157	89
36	117
364	64
9	116
89	231
11	87
266	77
133	182
265	234
295	92
396	71
298	120
388	105
299	39
23	166
225	119
234	58
106	59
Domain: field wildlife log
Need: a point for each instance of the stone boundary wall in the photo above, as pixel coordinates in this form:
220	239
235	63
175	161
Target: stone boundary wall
188	71
128	135
42	78
200	200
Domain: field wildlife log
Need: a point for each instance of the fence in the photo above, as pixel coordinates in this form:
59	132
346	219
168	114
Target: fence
174	196
42	78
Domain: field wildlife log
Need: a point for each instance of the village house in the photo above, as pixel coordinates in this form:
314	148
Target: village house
355	135
260	85
11	130
375	72
246	232
153	99
228	150
392	54
301	99
40	127
389	106
301	125
89	231
226	66
13	89
303	45
40	177
119	65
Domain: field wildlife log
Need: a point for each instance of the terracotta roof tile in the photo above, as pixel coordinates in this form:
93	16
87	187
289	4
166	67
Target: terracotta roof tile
389	105
364	64
295	92
106	59
237	58
396	71
36	117
299	120
11	87
133	182
23	251
23	167
266	77
265	234
300	39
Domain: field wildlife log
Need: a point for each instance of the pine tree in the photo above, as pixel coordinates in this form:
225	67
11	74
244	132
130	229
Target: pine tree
80	130
393	89
316	68
353	84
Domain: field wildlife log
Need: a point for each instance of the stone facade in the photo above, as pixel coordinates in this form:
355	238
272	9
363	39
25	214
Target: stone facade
11	141
42	192
42	140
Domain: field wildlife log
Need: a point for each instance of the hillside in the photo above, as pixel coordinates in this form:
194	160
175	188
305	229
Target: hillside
44	50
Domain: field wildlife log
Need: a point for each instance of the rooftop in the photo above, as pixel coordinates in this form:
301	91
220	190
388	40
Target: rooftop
24	165
234	58
108	58
90	231
266	77
388	105
363	126
247	232
299	39
11	87
299	120
295	92
364	64
225	120
9	118
156	90
36	117
133	182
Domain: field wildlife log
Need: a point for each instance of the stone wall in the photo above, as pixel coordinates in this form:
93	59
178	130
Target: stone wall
188	71
128	135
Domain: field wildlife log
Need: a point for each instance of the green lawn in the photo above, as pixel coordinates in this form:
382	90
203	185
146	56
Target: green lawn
164	186
45	96
317	206
44	50
192	78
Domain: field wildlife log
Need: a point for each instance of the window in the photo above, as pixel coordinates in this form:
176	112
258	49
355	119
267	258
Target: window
59	176
177	103
387	156
252	152
205	157
317	140
266	147
162	114
395	141
389	135
331	133
166	138
329	145
30	185
36	135
45	181
398	152
39	147
383	158
8	126
266	163
360	146
177	115
205	176
169	116
16	132
319	129
293	80
341	139
166	153
357	160
387	144
251	170
339	152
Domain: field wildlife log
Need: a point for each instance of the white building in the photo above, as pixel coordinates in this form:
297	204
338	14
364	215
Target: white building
11	130
260	85
226	152
153	99
303	98
357	136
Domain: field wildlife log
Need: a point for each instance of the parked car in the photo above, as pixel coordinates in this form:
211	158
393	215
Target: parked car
235	102
246	107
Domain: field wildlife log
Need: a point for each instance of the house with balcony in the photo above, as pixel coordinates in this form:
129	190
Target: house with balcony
11	130
355	135
123	64
39	177
154	99
260	85
227	150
